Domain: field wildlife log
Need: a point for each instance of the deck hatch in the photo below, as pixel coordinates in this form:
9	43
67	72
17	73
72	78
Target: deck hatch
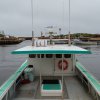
51	87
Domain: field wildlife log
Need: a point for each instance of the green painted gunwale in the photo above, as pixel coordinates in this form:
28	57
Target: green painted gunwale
12	79
93	81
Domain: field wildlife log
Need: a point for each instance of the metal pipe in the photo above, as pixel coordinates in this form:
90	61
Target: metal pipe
69	40
7	96
32	23
62	78
32	38
40	78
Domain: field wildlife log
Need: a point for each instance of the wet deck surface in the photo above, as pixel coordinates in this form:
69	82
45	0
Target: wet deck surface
73	90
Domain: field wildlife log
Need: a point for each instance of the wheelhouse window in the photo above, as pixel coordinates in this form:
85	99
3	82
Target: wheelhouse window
32	55
42	55
30	66
58	55
38	56
49	55
67	55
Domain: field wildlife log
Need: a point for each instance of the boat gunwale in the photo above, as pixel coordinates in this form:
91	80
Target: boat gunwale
5	87
92	80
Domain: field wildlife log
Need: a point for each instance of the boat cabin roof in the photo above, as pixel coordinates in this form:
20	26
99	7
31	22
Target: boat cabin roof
52	49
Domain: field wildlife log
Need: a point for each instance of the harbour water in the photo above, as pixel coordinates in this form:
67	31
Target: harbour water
9	62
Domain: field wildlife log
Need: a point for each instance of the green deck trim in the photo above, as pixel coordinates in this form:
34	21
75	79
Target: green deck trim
51	87
52	52
93	81
12	79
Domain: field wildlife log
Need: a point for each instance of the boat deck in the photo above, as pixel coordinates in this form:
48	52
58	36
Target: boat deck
73	90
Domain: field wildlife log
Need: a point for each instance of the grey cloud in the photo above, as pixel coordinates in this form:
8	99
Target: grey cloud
15	16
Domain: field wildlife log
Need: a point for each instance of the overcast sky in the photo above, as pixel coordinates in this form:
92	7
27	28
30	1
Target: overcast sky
15	16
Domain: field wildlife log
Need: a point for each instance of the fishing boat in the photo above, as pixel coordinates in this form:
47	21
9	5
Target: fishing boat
51	72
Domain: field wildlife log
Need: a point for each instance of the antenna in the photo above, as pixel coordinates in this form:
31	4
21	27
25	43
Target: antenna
50	32
69	40
59	32
32	23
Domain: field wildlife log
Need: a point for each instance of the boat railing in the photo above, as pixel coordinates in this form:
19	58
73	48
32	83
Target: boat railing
89	81
7	90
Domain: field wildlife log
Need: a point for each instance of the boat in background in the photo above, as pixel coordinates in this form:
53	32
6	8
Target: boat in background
79	42
10	40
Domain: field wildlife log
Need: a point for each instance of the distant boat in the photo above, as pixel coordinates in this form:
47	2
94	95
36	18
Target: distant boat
79	42
9	42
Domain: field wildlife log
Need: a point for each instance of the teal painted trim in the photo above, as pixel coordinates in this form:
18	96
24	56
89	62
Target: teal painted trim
93	81
52	52
51	87
12	79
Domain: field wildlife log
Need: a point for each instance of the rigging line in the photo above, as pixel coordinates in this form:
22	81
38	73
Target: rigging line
32	12
63	13
37	7
32	23
69	26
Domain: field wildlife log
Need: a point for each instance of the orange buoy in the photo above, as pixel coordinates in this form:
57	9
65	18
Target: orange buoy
64	64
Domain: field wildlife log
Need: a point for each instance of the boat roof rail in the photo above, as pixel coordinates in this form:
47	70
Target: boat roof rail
52	49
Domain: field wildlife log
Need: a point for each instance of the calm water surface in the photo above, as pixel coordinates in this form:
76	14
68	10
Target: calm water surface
9	62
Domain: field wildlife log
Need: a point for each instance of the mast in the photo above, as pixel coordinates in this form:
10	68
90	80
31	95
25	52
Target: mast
32	23
69	40
59	32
